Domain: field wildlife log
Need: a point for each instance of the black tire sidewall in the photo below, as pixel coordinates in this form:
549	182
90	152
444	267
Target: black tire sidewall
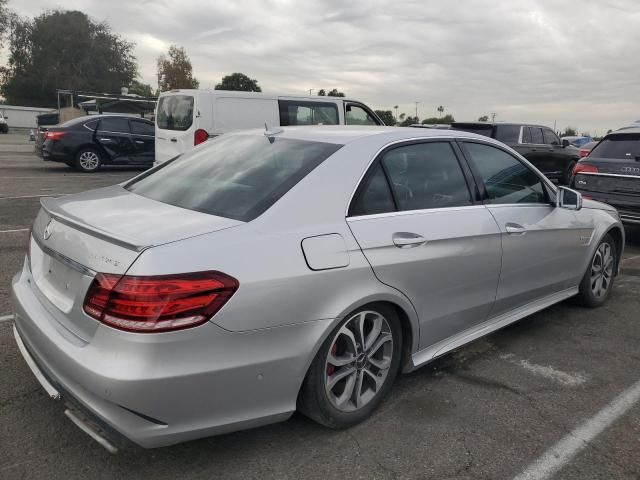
318	405
76	162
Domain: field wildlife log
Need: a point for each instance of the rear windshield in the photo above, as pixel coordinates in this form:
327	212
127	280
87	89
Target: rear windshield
175	112
234	176
618	146
485	130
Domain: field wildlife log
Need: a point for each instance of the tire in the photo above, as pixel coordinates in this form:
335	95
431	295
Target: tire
373	370
566	177
597	282
88	160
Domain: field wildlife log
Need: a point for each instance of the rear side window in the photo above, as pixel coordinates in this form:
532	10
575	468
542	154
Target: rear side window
506	179
618	146
142	128
508	133
239	176
114	124
536	135
175	112
307	113
374	196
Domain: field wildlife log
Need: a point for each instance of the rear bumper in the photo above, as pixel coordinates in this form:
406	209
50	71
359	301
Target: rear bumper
153	390
628	206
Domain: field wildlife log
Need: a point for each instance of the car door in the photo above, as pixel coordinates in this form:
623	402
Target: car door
114	136
416	223
543	247
143	138
562	159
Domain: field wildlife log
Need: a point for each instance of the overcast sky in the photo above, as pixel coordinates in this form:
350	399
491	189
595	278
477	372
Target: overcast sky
575	62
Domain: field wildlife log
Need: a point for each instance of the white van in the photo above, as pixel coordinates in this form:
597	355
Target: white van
185	118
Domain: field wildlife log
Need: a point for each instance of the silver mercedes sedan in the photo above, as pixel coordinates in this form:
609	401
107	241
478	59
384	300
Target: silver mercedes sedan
293	269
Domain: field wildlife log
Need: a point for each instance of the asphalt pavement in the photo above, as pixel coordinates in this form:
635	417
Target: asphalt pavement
556	395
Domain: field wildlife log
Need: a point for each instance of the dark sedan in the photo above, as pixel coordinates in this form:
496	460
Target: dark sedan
611	173
87	143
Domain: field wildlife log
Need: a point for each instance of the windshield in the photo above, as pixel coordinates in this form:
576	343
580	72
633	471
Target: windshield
234	176
175	112
618	146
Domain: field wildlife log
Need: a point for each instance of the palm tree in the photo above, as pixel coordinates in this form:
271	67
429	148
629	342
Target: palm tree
441	110
402	115
396	108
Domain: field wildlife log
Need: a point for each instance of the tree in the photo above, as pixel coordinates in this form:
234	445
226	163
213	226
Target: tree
484	118
238	82
448	118
408	121
440	110
6	17
569	132
322	93
386	116
335	93
176	70
142	89
66	50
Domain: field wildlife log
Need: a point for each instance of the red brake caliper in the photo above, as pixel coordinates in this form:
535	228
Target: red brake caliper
332	368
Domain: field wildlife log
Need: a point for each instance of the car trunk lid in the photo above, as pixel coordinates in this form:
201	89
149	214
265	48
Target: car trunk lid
104	231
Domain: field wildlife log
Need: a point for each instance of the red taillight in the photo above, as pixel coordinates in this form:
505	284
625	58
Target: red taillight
158	303
55	136
584	168
584	152
200	136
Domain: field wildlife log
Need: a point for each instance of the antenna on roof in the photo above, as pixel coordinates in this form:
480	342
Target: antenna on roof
270	132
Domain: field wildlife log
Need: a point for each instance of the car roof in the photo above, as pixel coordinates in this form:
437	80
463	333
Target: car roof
625	130
344	134
492	124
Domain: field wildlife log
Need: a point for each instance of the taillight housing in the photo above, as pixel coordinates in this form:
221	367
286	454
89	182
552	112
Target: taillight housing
584	168
55	136
200	136
584	152
163	303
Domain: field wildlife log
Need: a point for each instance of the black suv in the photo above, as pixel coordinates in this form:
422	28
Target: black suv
538	144
87	143
611	173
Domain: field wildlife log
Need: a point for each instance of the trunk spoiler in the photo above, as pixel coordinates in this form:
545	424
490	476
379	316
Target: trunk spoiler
49	205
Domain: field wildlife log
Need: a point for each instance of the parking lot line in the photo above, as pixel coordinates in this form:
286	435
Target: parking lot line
15	230
6	318
35	196
563	452
558	376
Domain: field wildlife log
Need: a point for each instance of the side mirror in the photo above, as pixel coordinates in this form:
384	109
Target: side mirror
565	143
568	198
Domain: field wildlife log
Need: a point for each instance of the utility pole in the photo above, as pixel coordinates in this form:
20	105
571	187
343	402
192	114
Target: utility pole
396	107
310	90
493	116
416	110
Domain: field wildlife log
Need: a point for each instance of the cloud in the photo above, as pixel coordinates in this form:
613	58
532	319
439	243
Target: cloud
572	62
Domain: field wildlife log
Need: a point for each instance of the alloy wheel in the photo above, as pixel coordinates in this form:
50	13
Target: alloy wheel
358	361
602	270
89	160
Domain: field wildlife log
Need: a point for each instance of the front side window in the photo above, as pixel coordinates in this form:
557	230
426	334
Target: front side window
113	124
308	113
550	138
506	179
239	178
426	175
175	112
356	115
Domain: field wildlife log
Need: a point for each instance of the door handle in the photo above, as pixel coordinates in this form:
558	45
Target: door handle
104	139
174	140
139	141
515	229
408	240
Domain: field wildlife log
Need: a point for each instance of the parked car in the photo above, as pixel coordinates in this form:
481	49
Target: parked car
538	144
611	173
586	149
4	126
577	140
87	143
185	118
295	268
441	126
44	121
